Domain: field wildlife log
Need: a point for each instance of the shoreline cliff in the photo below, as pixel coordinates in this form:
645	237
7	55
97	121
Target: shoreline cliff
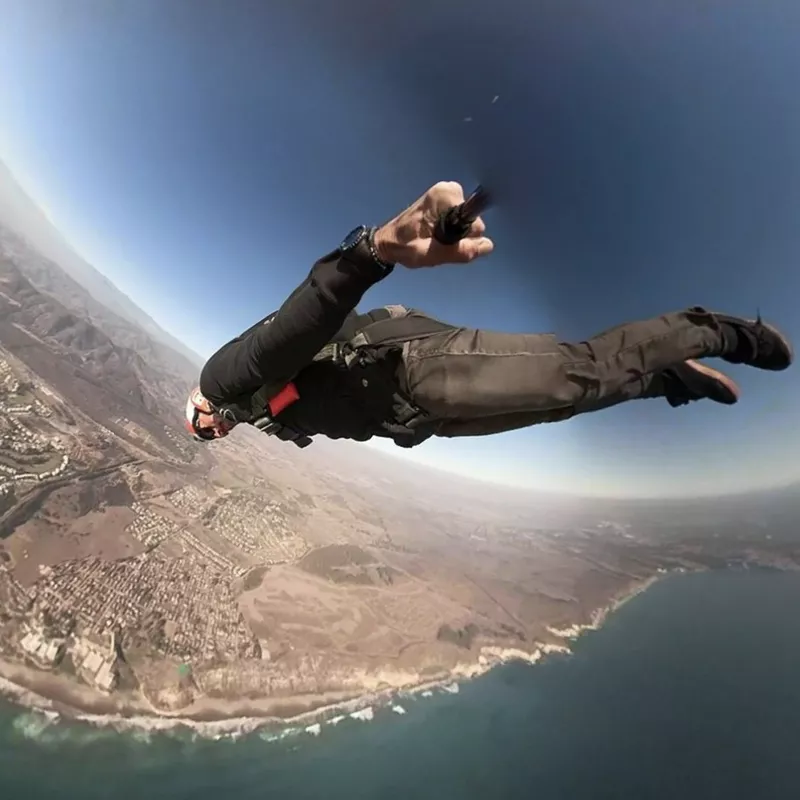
60	697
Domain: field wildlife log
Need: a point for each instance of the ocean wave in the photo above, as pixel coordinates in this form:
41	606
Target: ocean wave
49	728
364	715
30	725
39	723
42	722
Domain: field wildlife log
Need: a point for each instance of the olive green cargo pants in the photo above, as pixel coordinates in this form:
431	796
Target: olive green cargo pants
477	382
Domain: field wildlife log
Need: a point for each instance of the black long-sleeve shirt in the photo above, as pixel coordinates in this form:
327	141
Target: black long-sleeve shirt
332	401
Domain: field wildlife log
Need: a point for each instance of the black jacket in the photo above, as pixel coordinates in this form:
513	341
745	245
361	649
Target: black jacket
333	401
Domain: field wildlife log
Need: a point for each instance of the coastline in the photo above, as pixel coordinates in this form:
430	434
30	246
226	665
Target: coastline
58	697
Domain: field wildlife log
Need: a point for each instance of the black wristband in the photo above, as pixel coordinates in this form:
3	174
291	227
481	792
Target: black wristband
386	265
365	256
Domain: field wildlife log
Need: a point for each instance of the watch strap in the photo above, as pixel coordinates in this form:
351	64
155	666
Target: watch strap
359	245
387	265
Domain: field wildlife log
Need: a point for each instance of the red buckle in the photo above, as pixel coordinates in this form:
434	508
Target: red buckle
283	399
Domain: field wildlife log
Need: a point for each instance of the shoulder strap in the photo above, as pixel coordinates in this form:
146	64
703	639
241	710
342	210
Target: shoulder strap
381	327
399	326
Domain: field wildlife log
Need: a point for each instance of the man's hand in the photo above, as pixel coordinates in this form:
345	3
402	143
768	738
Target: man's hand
408	238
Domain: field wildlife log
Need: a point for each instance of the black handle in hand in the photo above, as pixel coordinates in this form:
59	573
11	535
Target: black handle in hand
454	225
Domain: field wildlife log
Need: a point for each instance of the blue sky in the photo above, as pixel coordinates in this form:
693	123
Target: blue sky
645	155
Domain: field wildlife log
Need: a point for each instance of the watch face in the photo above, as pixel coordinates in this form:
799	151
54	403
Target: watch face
353	238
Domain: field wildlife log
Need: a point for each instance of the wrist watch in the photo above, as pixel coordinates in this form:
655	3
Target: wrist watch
360	242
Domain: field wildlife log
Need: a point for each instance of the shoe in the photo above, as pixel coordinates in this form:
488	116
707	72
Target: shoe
756	344
694	381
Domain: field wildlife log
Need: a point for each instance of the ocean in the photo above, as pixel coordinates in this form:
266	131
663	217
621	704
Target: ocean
690	690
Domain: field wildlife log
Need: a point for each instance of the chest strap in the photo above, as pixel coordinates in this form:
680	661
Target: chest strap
409	425
266	424
399	326
388	327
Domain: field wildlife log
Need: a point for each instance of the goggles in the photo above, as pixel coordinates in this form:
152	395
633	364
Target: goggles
197	405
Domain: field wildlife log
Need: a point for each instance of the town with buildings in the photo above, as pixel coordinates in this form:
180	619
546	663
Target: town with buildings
169	606
260	529
173	599
190	501
149	527
26	455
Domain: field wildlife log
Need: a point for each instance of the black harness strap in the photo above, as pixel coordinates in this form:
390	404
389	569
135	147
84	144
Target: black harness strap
410	424
266	424
380	330
397	328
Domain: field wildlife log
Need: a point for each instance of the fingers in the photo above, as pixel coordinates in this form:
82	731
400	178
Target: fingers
477	229
445	194
471	248
432	254
415	233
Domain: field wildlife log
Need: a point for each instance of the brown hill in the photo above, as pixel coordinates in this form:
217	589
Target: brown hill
98	377
56	307
20	214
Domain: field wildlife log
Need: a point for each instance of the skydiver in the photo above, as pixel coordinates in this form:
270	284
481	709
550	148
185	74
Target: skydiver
317	367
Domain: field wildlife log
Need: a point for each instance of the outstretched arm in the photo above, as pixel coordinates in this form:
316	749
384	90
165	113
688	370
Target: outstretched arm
304	324
317	309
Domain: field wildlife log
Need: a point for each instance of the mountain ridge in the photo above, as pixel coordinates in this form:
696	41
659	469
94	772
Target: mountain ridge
57	308
23	217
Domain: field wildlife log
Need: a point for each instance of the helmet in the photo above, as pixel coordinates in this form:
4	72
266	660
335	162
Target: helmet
197	404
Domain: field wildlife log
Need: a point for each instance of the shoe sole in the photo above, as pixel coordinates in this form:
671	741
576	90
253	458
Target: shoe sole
720	377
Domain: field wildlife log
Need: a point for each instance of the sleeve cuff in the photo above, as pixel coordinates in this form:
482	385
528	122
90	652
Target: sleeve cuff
362	259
